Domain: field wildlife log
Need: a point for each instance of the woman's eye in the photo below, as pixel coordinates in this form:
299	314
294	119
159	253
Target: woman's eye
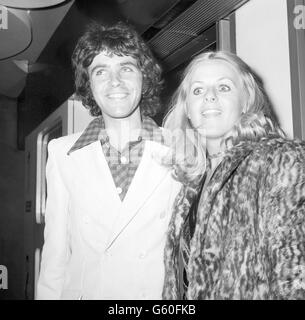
224	88
197	91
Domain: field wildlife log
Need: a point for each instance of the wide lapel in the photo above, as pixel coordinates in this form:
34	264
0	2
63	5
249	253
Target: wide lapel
94	172
148	177
105	170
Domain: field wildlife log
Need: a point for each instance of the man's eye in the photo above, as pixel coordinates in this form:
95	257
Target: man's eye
197	91
100	72
126	69
224	88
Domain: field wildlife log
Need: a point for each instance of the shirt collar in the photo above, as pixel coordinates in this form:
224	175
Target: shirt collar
96	131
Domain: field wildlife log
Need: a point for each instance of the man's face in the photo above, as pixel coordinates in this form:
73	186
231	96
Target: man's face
116	84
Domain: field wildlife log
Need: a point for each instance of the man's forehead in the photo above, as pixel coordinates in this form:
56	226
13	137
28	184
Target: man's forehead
107	57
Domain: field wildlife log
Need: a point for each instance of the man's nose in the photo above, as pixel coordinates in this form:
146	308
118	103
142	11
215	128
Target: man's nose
115	79
210	95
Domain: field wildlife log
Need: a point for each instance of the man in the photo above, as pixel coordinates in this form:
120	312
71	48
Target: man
109	197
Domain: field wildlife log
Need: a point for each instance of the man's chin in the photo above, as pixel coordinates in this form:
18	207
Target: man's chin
119	116
122	114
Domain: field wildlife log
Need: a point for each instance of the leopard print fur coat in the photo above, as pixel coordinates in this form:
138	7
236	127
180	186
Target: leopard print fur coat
249	238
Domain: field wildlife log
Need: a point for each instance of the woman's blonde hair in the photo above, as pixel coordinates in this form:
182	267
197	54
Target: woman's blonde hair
257	120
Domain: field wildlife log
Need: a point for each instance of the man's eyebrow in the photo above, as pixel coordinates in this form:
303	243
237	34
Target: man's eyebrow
97	66
126	63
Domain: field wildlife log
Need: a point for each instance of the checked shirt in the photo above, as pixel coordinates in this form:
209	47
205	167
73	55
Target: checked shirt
122	164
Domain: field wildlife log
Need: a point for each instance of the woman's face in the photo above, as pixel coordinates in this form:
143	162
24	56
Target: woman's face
215	98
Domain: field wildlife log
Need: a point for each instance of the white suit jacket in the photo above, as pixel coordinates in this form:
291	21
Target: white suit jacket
96	246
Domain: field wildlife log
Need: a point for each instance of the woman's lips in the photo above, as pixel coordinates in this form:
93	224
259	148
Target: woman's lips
208	113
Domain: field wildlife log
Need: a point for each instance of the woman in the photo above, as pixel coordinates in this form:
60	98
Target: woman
249	234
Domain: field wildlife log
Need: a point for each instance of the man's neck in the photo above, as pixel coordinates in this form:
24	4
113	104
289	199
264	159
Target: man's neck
123	130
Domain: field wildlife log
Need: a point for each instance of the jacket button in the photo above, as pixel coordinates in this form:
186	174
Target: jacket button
142	255
119	190
124	160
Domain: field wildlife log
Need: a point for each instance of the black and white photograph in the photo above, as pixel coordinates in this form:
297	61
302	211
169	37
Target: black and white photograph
152	153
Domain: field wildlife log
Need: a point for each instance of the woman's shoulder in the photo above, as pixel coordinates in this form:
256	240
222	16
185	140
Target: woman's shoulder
280	147
279	152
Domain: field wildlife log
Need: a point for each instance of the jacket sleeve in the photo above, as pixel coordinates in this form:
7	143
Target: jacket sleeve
285	223
55	253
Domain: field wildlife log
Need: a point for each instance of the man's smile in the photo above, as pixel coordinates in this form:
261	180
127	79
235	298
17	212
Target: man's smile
117	95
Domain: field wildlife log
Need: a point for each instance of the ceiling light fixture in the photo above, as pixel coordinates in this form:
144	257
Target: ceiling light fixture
18	35
30	4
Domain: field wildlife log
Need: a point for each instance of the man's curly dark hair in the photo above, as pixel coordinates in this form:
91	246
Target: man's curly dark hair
119	39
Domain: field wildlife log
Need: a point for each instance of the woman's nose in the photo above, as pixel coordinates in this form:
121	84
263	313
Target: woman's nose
210	95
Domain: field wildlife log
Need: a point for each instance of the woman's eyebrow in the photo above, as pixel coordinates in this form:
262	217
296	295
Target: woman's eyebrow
225	78
197	82
219	79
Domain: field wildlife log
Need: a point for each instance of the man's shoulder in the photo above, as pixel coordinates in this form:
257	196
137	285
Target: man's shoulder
64	143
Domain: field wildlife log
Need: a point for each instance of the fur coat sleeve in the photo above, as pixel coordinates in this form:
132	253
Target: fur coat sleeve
284	216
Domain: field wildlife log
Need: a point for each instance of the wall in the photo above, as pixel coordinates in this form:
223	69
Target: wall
262	41
11	200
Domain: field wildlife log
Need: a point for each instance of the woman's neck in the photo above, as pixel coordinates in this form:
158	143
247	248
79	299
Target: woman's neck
215	152
214	146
